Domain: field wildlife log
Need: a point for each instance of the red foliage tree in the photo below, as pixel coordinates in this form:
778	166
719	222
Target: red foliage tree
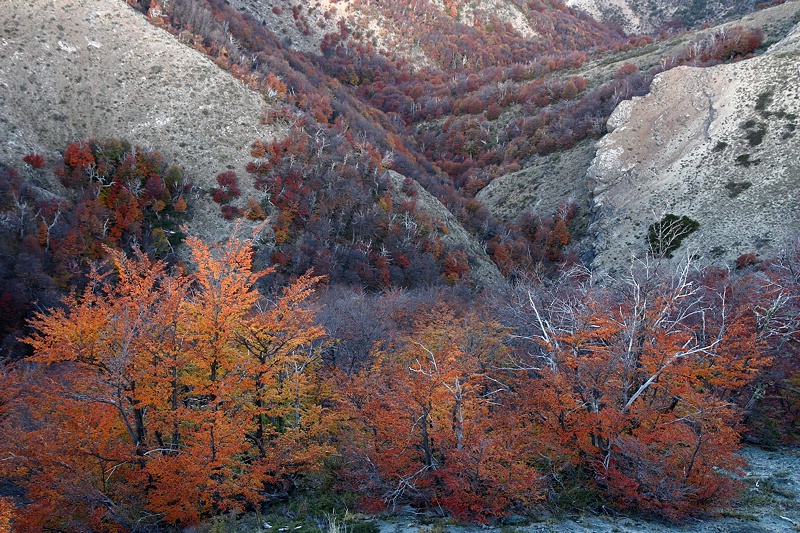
228	187
425	430
637	385
34	160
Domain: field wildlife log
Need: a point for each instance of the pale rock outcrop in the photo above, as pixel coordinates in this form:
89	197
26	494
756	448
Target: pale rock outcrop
719	145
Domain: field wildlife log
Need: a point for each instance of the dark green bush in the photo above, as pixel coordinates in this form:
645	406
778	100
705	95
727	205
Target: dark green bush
363	527
735	188
755	136
763	100
745	161
666	235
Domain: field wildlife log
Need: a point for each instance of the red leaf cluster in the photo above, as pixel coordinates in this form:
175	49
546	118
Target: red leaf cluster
34	160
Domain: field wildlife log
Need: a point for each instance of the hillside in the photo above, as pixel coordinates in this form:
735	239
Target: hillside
517	148
542	186
535	187
450	313
98	69
432	33
643	16
718	145
493	117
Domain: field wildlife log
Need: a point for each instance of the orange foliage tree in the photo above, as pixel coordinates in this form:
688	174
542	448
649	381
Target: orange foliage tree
6	514
161	397
430	428
635	385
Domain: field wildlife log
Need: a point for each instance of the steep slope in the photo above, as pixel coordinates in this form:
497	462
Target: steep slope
647	16
547	182
99	69
483	271
619	12
95	68
542	186
718	145
432	33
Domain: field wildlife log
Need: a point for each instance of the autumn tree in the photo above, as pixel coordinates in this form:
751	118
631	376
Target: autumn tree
117	195
151	404
6	514
430	429
34	160
634	384
289	429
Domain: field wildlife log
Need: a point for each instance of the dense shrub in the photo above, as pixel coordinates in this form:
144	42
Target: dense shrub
666	235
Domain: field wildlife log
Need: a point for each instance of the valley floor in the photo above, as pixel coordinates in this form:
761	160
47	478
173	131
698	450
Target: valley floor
770	502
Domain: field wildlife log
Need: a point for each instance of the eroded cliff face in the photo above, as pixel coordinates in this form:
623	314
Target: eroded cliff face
719	145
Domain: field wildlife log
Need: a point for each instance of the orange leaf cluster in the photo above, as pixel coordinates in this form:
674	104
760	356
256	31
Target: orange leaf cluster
629	392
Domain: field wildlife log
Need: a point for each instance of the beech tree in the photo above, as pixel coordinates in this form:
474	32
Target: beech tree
147	395
430	428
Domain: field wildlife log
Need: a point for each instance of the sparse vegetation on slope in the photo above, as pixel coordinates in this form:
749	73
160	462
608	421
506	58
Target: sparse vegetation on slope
715	144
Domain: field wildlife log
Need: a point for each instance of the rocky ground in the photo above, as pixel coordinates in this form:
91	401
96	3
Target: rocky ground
718	145
547	182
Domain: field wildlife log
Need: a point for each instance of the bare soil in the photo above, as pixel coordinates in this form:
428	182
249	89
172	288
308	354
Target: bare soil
719	145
